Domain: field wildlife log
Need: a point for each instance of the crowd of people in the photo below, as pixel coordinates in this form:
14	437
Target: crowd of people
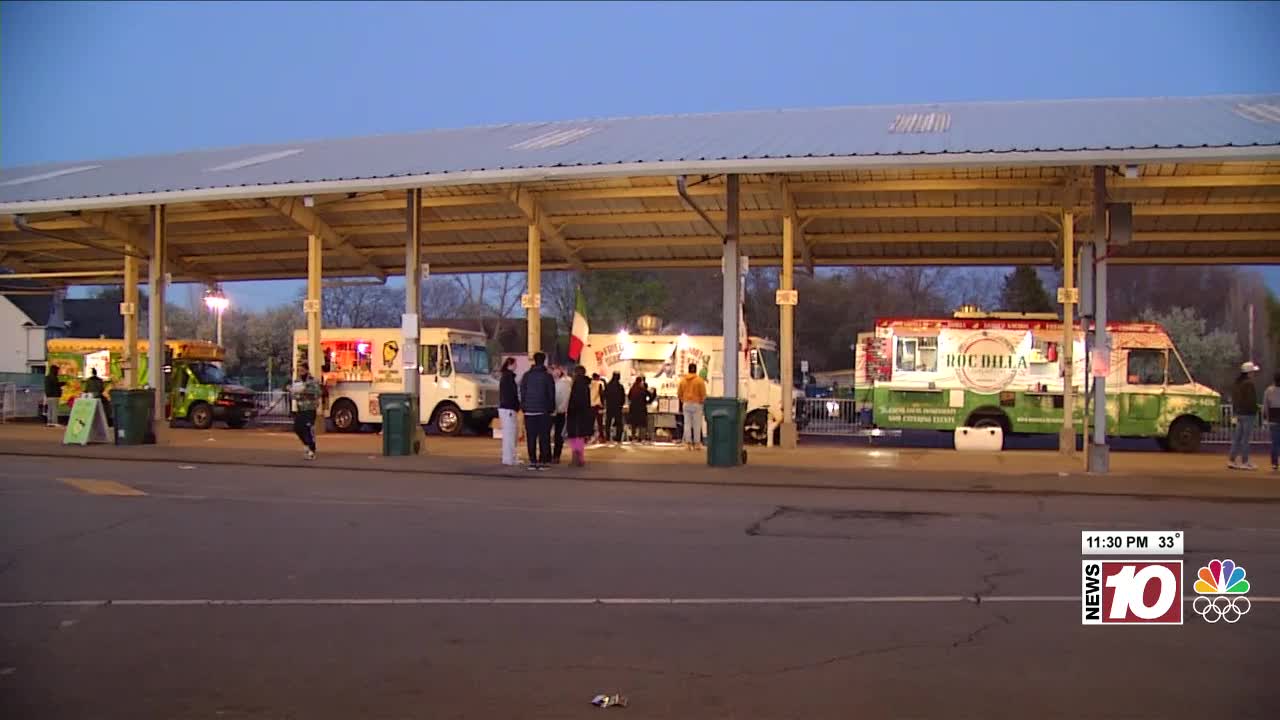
563	407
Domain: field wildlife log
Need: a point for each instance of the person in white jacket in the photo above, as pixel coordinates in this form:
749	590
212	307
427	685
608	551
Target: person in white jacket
564	384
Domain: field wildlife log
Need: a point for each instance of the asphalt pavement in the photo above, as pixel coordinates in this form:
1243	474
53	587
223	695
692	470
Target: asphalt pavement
157	590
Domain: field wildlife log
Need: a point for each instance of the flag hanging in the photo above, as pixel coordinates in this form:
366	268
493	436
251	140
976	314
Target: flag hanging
578	340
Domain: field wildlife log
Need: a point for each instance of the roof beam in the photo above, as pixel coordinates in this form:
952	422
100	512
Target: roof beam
532	211
1196	181
305	218
137	241
428	201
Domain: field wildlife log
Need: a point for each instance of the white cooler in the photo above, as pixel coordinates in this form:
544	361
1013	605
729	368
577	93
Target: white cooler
985	439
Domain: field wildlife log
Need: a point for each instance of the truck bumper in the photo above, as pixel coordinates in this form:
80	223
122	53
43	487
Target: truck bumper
222	413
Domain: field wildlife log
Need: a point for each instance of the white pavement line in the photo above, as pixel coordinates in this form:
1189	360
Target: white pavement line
422	601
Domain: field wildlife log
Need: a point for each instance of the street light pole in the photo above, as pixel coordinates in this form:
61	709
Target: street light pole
218	303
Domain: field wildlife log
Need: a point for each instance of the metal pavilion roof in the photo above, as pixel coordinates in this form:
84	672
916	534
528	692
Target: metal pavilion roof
966	183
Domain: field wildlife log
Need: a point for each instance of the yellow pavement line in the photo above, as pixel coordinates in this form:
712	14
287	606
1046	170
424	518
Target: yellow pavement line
100	487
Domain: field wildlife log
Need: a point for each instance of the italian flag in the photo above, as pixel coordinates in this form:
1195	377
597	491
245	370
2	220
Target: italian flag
579	337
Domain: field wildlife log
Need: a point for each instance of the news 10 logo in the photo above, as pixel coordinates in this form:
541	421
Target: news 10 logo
1131	592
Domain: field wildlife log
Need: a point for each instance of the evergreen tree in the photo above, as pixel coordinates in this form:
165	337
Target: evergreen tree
1023	292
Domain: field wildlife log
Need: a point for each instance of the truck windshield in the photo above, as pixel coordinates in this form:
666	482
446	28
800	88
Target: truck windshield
208	373
771	363
473	359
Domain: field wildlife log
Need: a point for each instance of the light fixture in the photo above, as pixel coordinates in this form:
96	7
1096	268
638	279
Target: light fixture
1131	172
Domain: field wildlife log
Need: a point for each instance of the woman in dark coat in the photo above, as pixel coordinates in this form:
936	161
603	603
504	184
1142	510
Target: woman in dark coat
638	410
581	417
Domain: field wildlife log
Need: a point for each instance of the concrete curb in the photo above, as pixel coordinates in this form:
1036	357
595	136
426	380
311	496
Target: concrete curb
485	470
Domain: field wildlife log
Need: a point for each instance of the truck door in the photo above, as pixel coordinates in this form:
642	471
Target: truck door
1143	396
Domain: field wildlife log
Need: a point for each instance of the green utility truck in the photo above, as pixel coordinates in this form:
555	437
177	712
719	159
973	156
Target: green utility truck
197	389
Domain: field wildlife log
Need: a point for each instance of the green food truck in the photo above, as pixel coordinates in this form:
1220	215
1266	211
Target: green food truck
197	388
1004	370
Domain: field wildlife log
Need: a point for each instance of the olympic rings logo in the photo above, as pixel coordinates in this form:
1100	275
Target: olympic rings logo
1222	607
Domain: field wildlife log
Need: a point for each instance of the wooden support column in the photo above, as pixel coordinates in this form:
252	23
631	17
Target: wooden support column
311	306
786	317
533	300
129	311
156	339
1099	453
1067	435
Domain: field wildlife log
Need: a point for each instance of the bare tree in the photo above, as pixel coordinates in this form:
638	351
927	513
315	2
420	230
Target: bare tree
492	298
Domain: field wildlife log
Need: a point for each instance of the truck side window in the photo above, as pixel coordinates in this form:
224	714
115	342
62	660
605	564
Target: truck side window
927	354
1178	374
907	354
446	366
429	359
1145	367
757	367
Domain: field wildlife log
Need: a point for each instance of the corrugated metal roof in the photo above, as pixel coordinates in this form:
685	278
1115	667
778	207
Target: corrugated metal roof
529	152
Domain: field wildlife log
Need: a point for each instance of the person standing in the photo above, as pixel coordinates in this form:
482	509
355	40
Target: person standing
1244	405
508	406
95	388
580	421
563	385
1271	412
52	395
306	393
596	392
615	396
692	392
638	410
538	398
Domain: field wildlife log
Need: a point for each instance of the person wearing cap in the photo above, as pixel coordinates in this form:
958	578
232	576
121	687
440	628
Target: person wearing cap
1271	413
1244	405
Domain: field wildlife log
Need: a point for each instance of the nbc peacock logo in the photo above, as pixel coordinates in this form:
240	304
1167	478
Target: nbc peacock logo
1221	587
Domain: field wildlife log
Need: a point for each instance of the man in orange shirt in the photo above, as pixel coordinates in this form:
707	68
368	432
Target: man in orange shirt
692	392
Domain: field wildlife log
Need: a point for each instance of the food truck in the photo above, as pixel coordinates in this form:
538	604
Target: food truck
664	359
1005	370
197	388
359	365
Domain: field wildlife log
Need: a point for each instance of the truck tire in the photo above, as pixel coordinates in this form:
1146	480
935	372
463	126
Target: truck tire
201	416
1184	435
448	419
344	417
989	418
755	428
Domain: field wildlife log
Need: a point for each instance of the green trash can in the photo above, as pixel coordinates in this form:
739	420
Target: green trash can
131	410
725	419
399	424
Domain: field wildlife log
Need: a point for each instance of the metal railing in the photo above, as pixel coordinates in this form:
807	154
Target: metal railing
20	401
273	407
841	416
1221	433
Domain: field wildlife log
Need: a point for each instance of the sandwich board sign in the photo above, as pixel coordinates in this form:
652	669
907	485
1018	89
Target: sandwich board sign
88	423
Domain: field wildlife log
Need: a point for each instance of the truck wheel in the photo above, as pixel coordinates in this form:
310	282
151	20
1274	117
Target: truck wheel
1184	436
755	429
343	415
201	416
989	420
448	419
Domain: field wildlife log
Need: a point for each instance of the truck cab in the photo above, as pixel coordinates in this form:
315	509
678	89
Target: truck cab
358	365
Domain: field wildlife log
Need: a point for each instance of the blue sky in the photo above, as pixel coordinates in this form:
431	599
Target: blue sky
91	80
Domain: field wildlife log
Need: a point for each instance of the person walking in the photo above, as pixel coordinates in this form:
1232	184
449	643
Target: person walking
638	410
508	406
1271	413
615	396
580	416
1244	405
692	392
563	385
52	395
538	399
306	394
597	406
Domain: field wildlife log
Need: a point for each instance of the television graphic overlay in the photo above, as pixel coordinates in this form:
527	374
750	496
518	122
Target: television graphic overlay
1221	590
1131	592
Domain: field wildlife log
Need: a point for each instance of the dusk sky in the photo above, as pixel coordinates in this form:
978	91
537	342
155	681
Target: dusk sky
82	81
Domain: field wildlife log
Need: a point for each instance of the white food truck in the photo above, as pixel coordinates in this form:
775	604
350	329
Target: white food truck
663	359
361	364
